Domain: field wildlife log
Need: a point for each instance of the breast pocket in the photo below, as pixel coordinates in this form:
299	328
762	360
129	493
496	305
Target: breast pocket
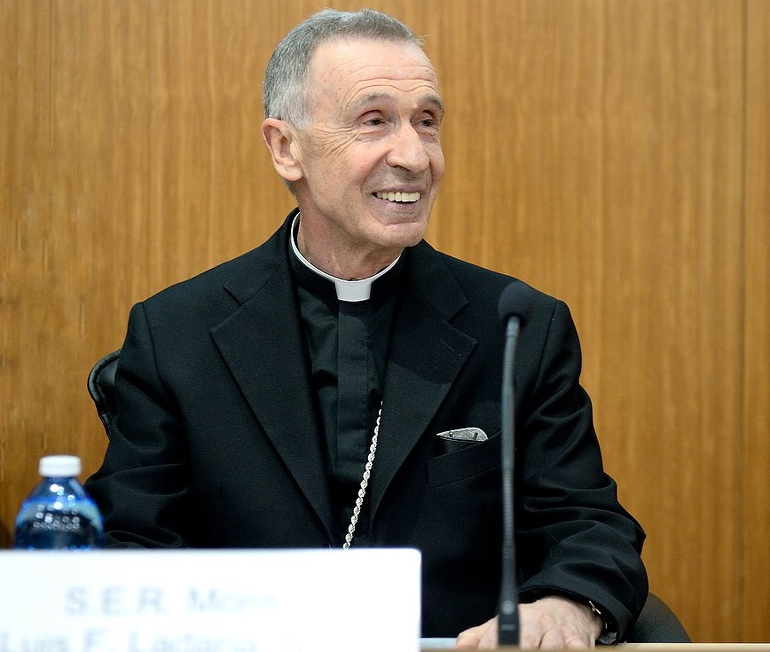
470	459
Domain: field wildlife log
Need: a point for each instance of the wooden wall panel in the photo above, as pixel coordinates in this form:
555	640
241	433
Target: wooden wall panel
596	150
210	180
670	375
594	147
99	119
756	528
25	232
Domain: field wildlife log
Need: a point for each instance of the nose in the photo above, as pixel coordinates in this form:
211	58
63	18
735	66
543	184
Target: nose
408	150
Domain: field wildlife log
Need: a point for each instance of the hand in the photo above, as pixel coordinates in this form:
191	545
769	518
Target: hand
551	623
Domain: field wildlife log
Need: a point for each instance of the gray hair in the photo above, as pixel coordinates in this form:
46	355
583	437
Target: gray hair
285	89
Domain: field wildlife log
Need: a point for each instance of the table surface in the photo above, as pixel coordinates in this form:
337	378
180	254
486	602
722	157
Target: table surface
428	645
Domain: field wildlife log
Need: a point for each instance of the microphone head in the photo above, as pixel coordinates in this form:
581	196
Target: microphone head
515	301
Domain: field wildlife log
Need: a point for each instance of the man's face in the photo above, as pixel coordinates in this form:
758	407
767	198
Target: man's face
371	158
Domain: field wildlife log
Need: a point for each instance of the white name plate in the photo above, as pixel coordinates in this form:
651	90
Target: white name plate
210	601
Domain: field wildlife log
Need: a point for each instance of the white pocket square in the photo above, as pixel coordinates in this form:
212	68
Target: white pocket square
463	434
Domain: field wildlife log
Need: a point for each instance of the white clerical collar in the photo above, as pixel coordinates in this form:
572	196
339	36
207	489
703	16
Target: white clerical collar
352	291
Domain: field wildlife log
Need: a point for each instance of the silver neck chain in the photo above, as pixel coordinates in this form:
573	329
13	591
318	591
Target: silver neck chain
364	482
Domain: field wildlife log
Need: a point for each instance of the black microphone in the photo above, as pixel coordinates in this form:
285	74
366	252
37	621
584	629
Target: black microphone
514	308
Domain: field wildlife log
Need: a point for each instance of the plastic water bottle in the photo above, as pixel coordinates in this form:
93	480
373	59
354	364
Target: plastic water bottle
58	514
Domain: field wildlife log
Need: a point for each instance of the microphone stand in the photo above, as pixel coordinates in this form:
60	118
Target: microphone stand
508	613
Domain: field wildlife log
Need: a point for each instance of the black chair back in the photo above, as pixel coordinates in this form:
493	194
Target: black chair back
657	624
101	387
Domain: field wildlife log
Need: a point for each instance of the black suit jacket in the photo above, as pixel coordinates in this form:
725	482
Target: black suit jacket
218	442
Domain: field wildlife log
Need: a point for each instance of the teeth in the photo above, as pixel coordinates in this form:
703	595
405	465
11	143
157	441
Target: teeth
399	196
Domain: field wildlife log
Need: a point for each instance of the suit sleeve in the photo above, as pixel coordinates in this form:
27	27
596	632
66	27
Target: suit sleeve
573	536
143	488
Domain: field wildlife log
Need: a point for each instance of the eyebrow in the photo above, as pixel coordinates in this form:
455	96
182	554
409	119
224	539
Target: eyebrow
430	98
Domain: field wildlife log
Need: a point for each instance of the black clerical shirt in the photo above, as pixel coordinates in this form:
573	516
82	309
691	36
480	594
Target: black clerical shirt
348	345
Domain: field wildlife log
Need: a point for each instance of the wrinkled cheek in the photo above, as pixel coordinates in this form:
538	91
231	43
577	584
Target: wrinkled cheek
437	163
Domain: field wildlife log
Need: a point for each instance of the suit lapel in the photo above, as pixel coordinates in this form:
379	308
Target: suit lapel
262	344
426	354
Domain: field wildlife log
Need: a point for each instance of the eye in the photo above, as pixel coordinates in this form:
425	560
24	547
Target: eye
372	119
429	121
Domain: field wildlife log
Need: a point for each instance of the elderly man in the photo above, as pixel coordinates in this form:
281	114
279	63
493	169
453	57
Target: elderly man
306	393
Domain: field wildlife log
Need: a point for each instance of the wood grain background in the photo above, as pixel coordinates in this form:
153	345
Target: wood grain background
615	153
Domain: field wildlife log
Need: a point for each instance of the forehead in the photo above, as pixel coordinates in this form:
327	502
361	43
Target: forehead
342	71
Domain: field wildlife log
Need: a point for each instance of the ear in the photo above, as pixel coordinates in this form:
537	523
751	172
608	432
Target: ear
281	139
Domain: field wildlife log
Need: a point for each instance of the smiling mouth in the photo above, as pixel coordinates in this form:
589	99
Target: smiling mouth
399	197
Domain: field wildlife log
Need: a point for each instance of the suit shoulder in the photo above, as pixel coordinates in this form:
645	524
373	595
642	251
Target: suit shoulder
237	279
476	281
204	284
